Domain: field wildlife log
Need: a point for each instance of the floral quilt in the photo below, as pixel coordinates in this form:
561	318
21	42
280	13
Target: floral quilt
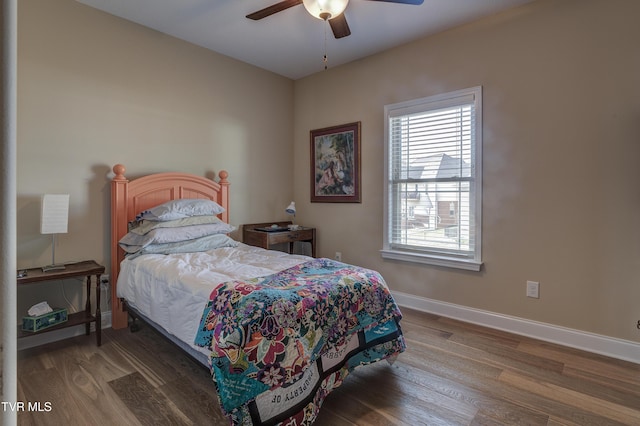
279	344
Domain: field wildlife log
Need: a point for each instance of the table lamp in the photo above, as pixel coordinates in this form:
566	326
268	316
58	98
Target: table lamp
54	219
291	209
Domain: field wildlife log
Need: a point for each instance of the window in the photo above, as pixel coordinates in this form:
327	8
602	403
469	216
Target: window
433	180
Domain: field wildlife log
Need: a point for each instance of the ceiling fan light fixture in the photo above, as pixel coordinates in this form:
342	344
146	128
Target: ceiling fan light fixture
325	9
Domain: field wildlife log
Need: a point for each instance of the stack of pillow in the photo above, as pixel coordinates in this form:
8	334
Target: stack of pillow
178	226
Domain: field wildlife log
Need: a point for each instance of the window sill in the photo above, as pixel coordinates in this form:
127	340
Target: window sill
447	262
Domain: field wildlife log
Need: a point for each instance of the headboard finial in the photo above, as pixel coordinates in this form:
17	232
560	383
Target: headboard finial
223	176
119	170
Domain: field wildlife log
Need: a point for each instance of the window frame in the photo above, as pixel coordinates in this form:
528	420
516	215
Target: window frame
430	256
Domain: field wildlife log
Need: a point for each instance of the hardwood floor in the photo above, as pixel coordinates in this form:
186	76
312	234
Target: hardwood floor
452	373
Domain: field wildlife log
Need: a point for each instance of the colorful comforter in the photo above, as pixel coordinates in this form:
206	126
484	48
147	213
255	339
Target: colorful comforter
279	344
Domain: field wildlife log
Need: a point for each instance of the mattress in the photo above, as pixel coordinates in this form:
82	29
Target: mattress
172	290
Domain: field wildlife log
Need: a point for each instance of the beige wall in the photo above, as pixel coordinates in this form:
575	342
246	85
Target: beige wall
95	90
561	143
561	152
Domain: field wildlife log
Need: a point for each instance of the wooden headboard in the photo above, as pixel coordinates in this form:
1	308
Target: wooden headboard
128	198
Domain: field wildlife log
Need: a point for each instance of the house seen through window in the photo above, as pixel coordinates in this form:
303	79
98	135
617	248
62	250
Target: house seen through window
433	180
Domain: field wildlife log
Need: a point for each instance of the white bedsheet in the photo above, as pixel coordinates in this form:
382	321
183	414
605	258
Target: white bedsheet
172	290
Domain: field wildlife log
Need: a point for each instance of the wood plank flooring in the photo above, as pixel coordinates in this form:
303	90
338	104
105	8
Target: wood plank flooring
452	373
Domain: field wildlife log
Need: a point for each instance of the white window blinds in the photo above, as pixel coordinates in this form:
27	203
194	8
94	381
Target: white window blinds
433	178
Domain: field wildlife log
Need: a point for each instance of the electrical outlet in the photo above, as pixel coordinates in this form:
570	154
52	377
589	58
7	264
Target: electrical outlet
338	256
533	289
104	282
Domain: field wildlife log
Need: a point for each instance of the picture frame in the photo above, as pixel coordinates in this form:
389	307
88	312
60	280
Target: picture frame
335	164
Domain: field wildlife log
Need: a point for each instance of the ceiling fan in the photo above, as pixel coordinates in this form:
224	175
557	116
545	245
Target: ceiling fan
327	10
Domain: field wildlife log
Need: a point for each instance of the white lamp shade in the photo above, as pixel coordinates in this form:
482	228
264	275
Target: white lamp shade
291	208
325	9
54	218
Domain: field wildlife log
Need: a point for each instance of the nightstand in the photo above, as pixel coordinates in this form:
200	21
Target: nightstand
88	268
266	239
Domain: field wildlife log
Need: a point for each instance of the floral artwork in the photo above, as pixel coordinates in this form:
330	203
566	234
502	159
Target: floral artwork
335	164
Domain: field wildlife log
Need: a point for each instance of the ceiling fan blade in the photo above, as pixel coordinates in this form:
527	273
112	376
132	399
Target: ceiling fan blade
274	8
414	2
339	26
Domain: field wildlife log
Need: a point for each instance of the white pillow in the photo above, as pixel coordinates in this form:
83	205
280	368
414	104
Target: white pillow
178	209
208	242
133	242
144	226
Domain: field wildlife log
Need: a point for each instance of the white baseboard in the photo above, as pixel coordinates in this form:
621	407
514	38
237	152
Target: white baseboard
106	320
65	333
591	342
596	343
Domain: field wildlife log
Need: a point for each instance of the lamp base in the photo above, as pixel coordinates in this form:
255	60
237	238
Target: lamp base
55	267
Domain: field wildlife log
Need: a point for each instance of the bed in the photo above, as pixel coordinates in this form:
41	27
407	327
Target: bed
279	332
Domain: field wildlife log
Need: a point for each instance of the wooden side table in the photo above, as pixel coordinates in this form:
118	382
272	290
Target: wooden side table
266	239
88	268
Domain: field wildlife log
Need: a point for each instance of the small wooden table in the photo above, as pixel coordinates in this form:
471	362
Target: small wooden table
86	268
266	239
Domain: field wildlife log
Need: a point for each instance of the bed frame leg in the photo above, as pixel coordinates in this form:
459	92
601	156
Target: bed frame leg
134	326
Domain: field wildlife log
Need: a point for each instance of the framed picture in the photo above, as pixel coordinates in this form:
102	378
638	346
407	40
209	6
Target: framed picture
335	164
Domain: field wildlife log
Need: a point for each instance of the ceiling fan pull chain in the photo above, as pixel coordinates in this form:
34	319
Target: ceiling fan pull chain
324	58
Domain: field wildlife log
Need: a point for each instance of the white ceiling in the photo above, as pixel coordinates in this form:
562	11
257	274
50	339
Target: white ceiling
292	42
